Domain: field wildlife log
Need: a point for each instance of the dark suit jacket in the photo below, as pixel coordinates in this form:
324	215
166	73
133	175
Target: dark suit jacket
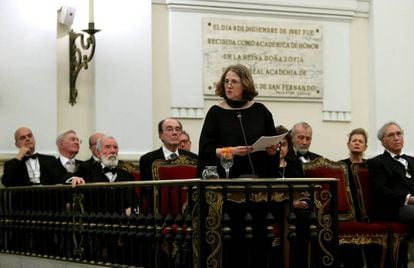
391	184
16	174
94	173
90	161
56	173
293	169
117	198
145	161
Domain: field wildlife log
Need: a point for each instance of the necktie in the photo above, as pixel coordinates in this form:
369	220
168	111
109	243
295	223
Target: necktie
70	165
107	169
173	156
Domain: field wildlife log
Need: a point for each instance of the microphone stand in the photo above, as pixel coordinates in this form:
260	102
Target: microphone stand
253	175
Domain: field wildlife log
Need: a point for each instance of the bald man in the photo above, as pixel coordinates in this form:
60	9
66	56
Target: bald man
28	166
92	147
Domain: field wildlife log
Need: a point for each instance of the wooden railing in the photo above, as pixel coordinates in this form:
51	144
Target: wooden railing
203	223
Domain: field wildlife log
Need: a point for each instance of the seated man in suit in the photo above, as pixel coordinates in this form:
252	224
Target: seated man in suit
63	168
119	200
27	167
169	131
106	169
92	147
393	173
301	138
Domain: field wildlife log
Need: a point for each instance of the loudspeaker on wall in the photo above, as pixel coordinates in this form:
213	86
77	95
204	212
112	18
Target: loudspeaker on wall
66	15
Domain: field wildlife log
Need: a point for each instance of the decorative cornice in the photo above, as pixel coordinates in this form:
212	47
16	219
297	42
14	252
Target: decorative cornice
344	9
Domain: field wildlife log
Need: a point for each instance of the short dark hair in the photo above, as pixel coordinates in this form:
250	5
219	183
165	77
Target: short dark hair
162	122
281	130
249	90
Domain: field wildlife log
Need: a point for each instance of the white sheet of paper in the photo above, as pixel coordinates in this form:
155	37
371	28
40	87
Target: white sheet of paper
265	141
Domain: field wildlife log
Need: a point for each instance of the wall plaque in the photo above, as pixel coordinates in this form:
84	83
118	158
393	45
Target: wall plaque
284	58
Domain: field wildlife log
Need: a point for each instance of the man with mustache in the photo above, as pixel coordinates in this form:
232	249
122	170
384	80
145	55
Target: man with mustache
106	170
115	201
301	134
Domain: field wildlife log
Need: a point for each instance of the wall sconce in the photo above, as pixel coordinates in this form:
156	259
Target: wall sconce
78	59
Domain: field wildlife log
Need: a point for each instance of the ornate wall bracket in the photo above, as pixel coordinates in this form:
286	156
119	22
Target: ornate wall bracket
77	58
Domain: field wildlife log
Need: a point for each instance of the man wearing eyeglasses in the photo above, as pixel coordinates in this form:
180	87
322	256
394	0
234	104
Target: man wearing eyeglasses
169	132
185	141
393	175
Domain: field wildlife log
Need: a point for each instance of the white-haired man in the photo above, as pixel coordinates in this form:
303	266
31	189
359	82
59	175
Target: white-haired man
64	167
106	170
301	139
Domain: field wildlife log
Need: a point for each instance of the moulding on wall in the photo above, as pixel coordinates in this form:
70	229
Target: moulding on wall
344	116
315	8
187	112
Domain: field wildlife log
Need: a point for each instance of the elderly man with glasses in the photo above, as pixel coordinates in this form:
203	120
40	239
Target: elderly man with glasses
169	132
393	175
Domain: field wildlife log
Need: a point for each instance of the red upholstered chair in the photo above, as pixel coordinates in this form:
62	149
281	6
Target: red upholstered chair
183	167
351	232
398	232
324	168
137	175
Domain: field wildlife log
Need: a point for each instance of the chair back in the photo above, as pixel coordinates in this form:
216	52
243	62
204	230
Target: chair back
137	175
365	190
171	199
325	168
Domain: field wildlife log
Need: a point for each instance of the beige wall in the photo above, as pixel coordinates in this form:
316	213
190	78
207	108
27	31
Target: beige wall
161	94
329	138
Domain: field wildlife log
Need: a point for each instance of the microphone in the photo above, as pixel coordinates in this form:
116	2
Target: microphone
253	175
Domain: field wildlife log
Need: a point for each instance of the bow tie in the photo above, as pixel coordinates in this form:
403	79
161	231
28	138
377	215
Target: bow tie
299	154
403	156
107	169
27	157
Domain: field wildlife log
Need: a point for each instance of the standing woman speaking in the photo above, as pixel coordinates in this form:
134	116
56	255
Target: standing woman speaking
234	124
